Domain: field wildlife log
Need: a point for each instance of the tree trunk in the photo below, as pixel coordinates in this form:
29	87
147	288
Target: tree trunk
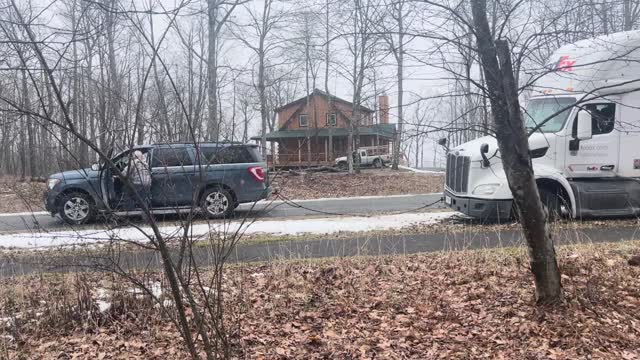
628	22
605	17
212	74
326	82
167	133
417	150
264	112
514	149
400	64
114	95
24	128
75	100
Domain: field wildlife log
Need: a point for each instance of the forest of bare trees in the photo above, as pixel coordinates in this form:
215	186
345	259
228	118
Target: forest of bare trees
150	71
80	79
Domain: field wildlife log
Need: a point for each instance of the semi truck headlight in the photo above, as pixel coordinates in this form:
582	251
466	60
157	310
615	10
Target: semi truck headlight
51	183
486	189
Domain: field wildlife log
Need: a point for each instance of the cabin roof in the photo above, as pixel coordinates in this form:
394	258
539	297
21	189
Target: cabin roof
318	92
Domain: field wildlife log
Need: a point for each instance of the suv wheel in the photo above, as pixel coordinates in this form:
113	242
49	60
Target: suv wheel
76	208
217	203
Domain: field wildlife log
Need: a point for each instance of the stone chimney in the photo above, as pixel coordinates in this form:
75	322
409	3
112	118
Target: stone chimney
383	109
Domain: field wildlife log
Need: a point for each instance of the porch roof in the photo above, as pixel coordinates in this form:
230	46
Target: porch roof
382	130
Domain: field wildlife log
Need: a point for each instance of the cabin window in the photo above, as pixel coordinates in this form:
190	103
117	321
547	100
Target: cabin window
303	120
331	119
603	118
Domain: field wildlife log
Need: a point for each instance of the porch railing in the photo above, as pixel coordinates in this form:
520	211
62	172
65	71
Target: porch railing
303	158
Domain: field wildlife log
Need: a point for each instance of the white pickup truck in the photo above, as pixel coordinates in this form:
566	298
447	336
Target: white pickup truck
375	156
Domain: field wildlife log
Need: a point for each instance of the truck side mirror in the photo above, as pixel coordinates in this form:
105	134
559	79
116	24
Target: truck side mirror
484	150
584	130
443	142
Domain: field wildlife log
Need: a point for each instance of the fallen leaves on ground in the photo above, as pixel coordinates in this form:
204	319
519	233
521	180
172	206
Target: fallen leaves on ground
472	304
368	183
20	196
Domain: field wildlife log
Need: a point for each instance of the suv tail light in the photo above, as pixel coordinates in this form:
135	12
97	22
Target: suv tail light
257	173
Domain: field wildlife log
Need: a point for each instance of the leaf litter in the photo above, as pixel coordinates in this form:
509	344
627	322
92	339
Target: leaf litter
457	305
306	186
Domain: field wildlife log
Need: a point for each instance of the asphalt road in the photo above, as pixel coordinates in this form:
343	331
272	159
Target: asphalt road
265	209
107	260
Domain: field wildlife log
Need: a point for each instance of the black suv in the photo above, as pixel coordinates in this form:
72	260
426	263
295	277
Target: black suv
216	179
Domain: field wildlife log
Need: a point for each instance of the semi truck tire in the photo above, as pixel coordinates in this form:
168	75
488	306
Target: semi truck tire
552	201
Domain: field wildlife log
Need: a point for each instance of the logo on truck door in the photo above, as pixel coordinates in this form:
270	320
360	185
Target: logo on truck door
565	63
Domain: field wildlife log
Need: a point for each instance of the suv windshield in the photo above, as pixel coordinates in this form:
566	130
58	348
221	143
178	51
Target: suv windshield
539	110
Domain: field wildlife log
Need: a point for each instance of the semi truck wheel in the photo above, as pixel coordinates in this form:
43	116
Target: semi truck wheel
553	201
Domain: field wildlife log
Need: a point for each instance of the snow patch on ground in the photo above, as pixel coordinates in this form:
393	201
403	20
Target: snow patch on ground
420	171
103	305
102	297
40	240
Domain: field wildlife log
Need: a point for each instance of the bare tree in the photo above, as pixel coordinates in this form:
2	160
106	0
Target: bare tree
258	35
218	12
395	38
512	137
40	68
362	46
308	55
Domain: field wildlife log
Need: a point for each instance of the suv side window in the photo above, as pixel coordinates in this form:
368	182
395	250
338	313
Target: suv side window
169	156
208	154
227	155
603	118
121	161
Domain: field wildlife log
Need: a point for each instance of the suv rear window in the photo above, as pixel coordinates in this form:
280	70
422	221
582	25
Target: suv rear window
229	155
165	157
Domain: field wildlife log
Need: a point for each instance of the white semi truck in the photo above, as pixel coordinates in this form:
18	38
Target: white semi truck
586	158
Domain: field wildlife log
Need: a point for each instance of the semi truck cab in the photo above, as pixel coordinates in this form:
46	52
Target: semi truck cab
584	120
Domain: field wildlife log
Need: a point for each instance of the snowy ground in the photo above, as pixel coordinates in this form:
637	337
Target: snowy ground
419	170
35	240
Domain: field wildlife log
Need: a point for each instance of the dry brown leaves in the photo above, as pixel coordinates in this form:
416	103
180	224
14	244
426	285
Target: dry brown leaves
367	183
438	306
18	196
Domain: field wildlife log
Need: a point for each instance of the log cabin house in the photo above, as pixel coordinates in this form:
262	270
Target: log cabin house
313	130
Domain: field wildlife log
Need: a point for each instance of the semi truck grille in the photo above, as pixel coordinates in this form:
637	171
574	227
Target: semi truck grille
457	177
